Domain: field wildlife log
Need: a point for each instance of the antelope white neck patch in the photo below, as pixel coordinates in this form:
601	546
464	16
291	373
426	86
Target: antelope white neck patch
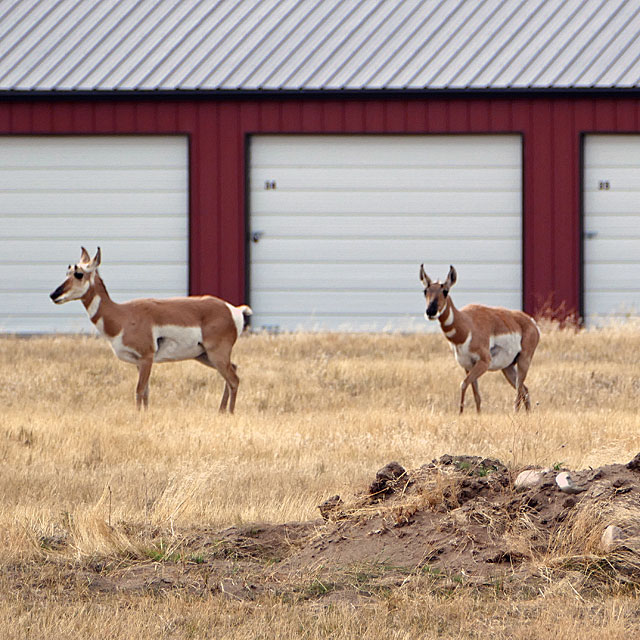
93	307
449	320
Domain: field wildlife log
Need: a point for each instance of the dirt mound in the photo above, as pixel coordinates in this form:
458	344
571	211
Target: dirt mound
463	514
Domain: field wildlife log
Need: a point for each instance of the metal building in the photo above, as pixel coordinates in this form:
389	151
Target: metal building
306	156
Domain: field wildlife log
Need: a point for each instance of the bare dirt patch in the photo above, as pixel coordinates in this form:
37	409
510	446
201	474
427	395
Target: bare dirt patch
457	521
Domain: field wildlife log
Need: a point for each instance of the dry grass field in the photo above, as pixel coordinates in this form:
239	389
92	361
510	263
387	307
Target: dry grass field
91	490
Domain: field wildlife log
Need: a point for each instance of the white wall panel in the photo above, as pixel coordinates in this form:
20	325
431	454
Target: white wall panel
126	194
343	223
612	227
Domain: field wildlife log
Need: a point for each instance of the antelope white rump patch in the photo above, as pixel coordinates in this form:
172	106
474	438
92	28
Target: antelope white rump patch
238	317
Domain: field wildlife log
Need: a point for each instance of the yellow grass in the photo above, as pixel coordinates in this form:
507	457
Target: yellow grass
316	415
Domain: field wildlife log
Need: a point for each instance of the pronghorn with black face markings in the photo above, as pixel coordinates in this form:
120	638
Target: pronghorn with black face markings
483	338
141	332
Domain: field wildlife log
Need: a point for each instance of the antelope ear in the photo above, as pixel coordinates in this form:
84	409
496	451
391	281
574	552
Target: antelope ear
452	276
93	264
424	278
85	258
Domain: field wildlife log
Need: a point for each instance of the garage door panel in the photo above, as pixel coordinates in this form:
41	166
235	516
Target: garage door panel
112	227
126	194
356	302
608	226
93	151
618	178
129	251
611	245
362	322
612	251
611	202
373	203
118	179
97	202
38	280
611	303
483	179
384	226
276	276
606	151
392	151
329	250
345	222
26	303
603	276
74	322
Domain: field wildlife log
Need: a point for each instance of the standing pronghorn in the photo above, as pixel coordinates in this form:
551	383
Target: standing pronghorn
483	338
145	331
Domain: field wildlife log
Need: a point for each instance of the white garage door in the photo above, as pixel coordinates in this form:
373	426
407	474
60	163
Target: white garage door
340	225
126	194
611	227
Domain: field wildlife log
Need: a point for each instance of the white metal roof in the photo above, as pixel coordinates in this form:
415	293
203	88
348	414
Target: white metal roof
144	45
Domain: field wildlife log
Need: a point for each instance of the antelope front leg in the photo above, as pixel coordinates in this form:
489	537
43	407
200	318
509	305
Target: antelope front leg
476	371
142	388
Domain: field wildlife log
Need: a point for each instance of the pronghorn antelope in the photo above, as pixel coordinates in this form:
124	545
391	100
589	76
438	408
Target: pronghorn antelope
483	338
145	331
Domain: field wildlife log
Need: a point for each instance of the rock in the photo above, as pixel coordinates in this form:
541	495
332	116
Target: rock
528	478
612	538
329	507
385	479
634	465
565	483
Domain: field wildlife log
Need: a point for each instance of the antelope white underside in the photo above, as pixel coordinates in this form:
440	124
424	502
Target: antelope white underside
503	348
174	343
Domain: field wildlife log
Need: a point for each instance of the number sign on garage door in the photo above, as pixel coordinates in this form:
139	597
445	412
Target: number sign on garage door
127	194
340	224
611	227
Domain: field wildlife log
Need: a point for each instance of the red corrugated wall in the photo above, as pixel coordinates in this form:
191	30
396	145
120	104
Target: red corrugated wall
217	128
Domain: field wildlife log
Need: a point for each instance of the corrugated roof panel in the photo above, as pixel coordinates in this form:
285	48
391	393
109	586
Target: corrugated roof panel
132	45
610	47
593	13
501	66
332	51
492	39
614	67
298	63
234	39
277	31
197	45
49	61
97	57
541	46
467	45
361	44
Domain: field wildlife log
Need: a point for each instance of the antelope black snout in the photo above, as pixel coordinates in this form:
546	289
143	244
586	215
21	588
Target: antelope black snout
432	309
57	293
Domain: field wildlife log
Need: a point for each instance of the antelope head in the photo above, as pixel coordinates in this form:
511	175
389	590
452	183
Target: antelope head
436	293
79	278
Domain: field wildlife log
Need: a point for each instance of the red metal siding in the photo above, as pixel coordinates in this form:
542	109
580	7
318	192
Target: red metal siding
217	130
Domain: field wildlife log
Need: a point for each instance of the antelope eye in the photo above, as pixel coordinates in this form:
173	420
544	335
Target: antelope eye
78	275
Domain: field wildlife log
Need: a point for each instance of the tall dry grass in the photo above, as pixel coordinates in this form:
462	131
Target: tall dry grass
316	415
